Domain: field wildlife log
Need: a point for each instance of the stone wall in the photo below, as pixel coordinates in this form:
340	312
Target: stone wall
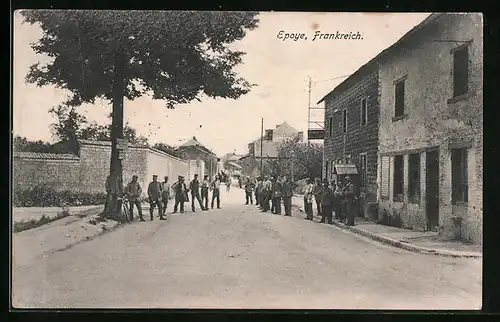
358	138
434	119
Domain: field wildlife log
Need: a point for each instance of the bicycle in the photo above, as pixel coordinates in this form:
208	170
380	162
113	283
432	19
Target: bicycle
124	208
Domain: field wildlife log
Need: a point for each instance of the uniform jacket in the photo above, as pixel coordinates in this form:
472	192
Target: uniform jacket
194	186
308	192
154	190
326	196
317	189
286	189
349	192
249	186
133	190
113	185
205	185
277	189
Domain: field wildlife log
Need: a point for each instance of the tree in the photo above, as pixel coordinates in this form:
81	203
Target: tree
300	160
174	56
98	132
168	149
21	144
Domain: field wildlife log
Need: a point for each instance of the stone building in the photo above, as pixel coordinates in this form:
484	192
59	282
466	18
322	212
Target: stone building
272	138
430	166
194	150
351	131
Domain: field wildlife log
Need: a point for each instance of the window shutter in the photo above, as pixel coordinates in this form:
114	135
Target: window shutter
384	180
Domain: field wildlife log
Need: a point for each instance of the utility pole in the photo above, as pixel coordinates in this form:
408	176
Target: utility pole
309	109
261	143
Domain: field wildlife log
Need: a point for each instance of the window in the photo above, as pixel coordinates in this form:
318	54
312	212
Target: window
344	121
414	178
460	71
269	135
332	169
363	170
459	180
399	98
326	169
364	112
398	178
330	127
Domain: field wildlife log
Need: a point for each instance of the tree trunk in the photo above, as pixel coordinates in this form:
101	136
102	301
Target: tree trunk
116	170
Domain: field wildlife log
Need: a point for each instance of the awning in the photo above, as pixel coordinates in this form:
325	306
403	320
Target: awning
345	169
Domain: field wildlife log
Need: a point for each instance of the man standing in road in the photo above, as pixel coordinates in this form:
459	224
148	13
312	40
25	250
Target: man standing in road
114	188
266	194
249	187
258	187
277	193
154	195
194	186
205	185
180	193
326	202
349	195
308	199
215	187
165	194
317	194
134	192
287	194
228	183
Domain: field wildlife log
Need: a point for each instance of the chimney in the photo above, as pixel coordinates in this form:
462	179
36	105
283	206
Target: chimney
300	136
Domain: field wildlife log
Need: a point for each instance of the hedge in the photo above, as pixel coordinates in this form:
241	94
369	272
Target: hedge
46	196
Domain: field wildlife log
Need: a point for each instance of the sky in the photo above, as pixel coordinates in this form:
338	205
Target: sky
280	68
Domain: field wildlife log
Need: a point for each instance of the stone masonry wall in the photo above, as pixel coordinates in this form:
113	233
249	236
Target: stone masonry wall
359	138
435	119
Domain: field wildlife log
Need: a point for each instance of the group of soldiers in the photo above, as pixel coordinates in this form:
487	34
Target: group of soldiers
269	192
159	194
330	197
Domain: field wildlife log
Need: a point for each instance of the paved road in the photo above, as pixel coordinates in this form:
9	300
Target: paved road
236	257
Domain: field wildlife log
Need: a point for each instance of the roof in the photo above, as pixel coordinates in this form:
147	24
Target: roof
46	156
236	165
346	169
107	143
193	142
397	44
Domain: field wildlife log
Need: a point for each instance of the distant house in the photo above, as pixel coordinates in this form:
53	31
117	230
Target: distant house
231	164
270	142
192	149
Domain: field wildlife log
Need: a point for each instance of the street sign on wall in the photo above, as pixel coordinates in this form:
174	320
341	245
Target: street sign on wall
316	134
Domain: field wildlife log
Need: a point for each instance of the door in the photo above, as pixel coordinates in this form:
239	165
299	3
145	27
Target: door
432	189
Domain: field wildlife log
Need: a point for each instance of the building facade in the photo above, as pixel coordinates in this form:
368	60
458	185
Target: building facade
430	154
264	151
194	150
351	129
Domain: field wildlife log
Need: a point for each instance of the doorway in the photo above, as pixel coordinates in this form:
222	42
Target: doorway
432	189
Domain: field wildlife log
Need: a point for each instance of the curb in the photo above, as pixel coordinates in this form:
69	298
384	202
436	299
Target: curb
403	245
406	246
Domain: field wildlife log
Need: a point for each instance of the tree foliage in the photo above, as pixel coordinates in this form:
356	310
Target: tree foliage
168	149
22	144
300	160
175	56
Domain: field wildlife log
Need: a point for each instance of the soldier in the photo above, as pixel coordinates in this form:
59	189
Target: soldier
249	187
287	194
336	199
165	194
228	183
204	192
326	202
215	187
134	192
308	199
349	195
114	188
317	194
277	193
194	186
340	201
258	186
180	193
154	194
266	194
